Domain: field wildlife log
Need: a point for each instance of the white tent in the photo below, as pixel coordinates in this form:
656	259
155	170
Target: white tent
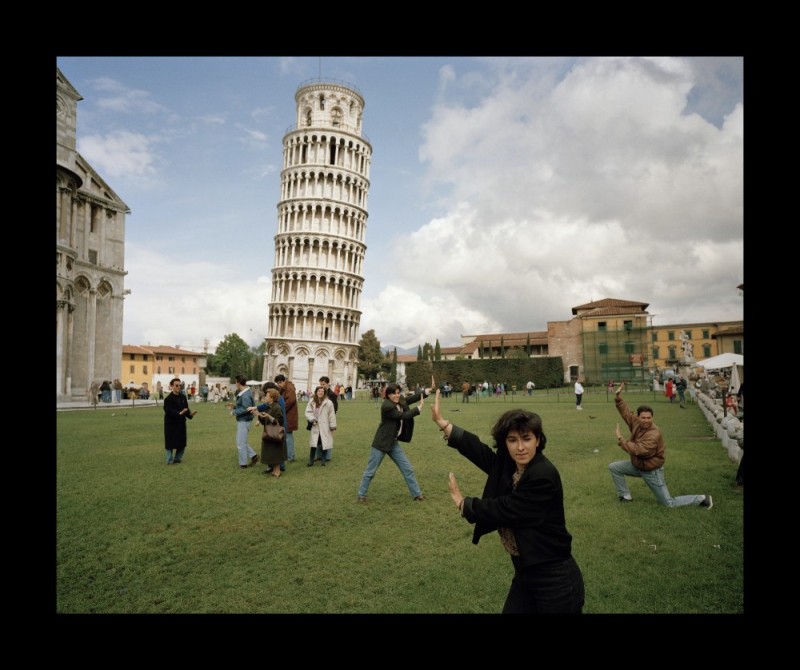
721	361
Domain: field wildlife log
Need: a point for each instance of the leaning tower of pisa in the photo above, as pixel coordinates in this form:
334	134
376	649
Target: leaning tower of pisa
317	275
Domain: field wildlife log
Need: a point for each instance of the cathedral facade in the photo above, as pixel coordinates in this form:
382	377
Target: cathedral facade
90	254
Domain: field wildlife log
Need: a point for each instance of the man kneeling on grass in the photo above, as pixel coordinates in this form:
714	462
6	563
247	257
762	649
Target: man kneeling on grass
646	448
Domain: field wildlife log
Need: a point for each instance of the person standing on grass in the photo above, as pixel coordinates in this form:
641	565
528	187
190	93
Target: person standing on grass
322	418
523	500
289	396
271	411
325	383
176	412
578	394
647	455
263	407
241	410
397	425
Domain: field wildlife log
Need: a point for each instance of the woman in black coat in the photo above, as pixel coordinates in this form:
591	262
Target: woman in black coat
176	411
524	502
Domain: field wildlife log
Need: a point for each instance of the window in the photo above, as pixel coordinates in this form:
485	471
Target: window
628	347
144	369
322	102
706	351
671	354
601	326
158	370
93	256
170	370
602	348
133	369
183	359
655	336
133	357
688	333
627	324
171	359
705	334
655	353
671	335
737	346
183	371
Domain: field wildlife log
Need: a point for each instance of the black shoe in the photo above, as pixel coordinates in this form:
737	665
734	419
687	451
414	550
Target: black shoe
243	467
624	500
310	464
254	460
323	464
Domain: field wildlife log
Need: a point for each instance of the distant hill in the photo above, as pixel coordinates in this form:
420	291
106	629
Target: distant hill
389	348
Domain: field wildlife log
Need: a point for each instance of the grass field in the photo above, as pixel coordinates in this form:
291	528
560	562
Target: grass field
134	535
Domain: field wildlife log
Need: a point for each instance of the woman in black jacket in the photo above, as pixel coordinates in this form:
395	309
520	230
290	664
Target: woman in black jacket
524	502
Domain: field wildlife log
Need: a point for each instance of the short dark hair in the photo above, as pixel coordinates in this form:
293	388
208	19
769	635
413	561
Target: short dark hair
241	379
644	408
523	422
393	388
269	385
325	379
280	378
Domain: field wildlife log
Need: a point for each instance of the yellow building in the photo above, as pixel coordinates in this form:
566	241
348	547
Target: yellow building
161	364
704	340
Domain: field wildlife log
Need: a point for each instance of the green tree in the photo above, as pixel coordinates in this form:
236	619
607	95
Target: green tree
481	351
437	351
419	352
233	357
393	367
528	346
257	360
371	359
502	348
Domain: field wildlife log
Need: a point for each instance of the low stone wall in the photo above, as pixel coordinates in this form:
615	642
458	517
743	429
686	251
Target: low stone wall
729	428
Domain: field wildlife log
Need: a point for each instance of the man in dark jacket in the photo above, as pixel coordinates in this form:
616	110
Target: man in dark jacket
176	412
397	424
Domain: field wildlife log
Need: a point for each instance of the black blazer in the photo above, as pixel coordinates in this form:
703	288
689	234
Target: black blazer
534	510
387	433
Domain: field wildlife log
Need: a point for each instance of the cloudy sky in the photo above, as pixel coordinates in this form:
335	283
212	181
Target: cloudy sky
504	191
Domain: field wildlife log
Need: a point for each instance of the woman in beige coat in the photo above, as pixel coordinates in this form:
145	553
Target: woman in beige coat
322	417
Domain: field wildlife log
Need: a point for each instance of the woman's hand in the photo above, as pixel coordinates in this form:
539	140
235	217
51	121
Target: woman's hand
455	492
435	411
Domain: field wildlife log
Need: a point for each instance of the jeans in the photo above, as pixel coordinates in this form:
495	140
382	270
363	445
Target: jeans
289	446
655	482
553	588
117	395
245	450
400	460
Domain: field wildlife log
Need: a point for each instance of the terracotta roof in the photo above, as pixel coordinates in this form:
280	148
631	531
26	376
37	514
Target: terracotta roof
617	306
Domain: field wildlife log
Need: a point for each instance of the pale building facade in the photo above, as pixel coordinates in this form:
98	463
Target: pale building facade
90	258
317	276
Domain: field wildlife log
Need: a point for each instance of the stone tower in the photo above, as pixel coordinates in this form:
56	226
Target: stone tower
317	278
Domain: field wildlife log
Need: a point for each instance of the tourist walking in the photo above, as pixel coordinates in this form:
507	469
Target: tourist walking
578	394
241	411
176	412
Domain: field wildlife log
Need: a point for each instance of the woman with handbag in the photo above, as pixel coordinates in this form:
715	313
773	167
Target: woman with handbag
273	441
321	415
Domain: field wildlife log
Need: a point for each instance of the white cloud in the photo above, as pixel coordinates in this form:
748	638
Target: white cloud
120	154
184	303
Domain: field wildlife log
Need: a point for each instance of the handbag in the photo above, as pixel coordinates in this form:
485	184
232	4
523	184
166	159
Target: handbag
274	432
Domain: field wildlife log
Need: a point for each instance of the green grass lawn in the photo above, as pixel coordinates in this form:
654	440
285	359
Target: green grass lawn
134	535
